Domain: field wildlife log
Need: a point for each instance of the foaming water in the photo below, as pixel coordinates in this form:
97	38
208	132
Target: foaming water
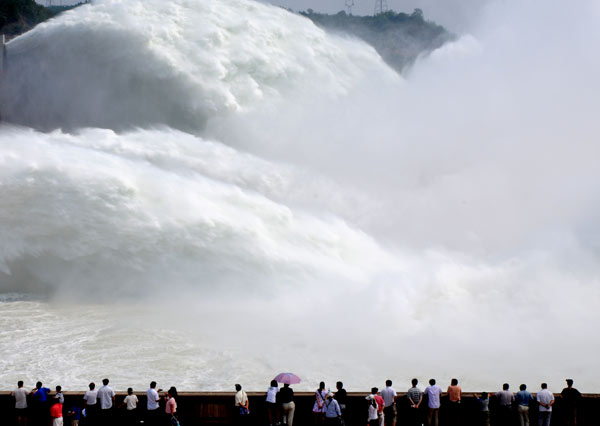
235	193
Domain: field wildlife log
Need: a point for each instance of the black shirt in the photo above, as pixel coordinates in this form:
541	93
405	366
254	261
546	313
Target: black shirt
570	397
286	395
341	396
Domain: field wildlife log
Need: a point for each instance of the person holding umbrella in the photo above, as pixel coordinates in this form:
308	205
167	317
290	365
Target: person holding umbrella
286	396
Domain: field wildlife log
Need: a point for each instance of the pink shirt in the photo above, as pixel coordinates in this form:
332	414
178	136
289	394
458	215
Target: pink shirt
171	406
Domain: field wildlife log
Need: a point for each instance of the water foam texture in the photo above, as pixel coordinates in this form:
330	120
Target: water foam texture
177	63
281	198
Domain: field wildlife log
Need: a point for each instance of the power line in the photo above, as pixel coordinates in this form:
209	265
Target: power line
380	7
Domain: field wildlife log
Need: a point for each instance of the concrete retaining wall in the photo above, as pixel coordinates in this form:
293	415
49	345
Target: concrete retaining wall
215	408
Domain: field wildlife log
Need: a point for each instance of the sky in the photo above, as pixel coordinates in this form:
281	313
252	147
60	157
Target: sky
456	15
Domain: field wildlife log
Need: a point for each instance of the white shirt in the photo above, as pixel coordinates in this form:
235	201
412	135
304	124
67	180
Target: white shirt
21	398
433	393
372	412
105	395
240	398
388	395
131	401
152	399
272	394
545	396
91	396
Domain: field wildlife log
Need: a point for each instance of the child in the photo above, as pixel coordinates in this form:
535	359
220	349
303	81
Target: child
59	395
75	415
131	402
484	409
56	413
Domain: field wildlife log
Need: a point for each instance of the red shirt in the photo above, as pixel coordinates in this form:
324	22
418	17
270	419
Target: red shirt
56	411
380	403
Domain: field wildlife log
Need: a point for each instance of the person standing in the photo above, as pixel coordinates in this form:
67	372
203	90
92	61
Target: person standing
389	398
415	397
523	400
90	405
545	399
570	397
454	398
505	400
434	394
130	403
56	413
333	413
372	419
341	396
242	405
286	397
20	395
59	395
271	401
40	404
106	397
74	414
380	405
153	399
484	409
171	406
319	405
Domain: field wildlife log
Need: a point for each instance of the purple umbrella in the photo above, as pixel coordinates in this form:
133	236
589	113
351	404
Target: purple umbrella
289	378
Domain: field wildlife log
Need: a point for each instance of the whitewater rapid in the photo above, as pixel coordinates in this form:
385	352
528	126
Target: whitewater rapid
211	192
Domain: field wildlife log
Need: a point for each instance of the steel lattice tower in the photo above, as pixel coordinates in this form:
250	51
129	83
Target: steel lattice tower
349	4
380	7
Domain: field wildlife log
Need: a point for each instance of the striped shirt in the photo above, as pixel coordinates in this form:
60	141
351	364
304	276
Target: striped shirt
414	394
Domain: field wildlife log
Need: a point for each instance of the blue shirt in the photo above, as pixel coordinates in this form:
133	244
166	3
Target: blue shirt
332	408
76	413
42	394
523	398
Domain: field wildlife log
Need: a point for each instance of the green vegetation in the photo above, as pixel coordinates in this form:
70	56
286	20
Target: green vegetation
18	16
398	37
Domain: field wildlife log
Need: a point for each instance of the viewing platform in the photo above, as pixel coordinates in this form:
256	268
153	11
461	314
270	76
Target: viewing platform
217	408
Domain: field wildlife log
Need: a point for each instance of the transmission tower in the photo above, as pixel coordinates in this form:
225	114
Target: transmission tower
349	4
380	7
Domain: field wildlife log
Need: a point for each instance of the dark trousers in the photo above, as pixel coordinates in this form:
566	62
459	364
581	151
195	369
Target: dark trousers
504	415
414	418
152	417
91	415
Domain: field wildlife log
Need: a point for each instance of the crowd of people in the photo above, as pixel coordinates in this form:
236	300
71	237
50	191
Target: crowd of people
42	406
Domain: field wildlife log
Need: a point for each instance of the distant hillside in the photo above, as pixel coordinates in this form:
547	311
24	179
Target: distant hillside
18	16
398	37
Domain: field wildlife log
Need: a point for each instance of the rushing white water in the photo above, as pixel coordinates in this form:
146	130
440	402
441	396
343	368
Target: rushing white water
211	192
